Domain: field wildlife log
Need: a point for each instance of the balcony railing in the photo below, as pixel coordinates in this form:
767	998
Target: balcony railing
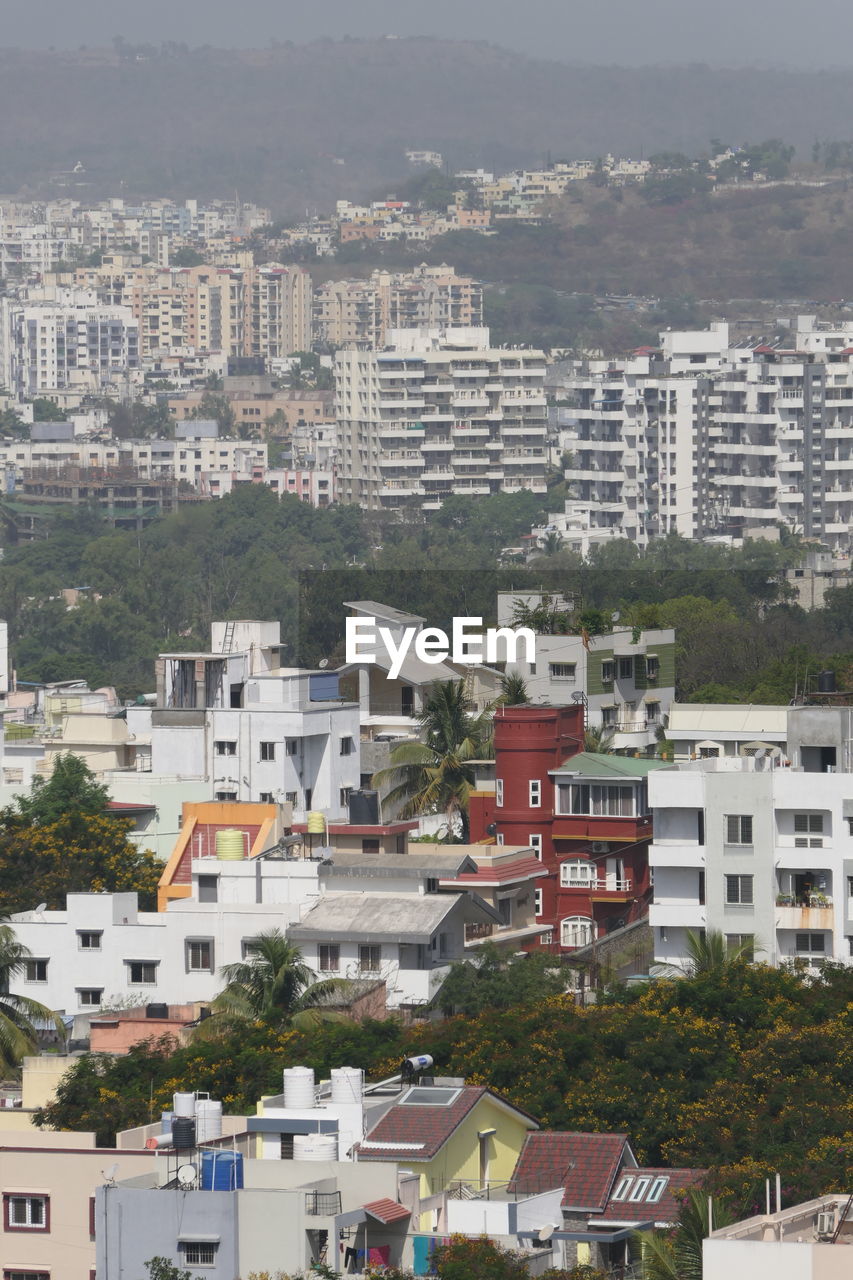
474	932
608	884
322	1204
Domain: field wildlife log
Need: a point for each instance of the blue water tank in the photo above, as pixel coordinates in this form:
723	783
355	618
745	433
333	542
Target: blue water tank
221	1170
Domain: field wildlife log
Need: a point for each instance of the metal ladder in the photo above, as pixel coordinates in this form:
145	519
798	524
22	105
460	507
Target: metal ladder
842	1218
228	639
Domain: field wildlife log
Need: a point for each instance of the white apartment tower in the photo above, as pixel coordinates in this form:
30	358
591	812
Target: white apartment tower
439	412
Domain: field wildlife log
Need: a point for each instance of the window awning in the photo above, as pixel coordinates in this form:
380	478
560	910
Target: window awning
197	1237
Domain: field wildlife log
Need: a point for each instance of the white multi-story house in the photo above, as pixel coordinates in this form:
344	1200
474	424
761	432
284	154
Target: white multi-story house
250	728
759	847
439	413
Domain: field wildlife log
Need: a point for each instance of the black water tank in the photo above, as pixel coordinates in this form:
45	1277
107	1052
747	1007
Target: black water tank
183	1133
364	808
826	682
156	1011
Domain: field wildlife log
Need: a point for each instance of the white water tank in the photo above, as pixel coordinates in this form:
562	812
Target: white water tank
183	1104
208	1120
347	1084
298	1085
315	1146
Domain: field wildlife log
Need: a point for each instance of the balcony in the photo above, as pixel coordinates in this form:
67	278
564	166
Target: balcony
790	916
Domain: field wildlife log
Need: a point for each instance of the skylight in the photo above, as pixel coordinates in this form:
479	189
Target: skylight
424	1096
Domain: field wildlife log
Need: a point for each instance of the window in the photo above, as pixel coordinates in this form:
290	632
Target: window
346	746
208	888
602	800
33	1275
370	959
537	902
652	667
739	891
344	795
577	873
199	955
26	1213
736	941
653	712
562	671
534	796
329	957
36	971
268	751
809	830
810	944
576	931
225	748
90	997
225	795
499	792
535	842
142	973
739	828
291	746
266	797
709	753
608	716
291	797
370	844
626	668
89	939
608	671
199	1253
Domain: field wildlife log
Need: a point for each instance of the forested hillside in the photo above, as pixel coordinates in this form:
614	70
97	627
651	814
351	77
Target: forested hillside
252	556
167	120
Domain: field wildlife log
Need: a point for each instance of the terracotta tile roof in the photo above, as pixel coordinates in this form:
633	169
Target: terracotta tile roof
664	1203
418	1132
386	1211
521	869
584	1164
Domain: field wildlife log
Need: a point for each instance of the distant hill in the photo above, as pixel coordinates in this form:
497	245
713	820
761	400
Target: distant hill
273	122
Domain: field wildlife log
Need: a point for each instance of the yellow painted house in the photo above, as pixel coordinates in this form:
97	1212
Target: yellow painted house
450	1134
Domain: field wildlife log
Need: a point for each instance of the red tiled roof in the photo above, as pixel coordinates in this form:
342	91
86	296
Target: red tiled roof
584	1164
386	1211
522	869
423	1129
663	1207
763	350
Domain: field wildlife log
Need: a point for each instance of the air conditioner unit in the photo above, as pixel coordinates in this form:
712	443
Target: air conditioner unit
825	1222
600	846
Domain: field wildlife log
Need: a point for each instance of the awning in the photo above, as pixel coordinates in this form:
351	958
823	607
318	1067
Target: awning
197	1237
386	1211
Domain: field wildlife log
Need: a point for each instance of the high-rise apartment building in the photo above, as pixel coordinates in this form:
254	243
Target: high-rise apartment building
439	412
705	439
364	311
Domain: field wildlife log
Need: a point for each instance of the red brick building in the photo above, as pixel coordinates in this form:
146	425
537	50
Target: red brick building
586	815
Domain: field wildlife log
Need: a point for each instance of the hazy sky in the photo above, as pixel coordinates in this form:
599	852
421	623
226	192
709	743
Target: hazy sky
629	32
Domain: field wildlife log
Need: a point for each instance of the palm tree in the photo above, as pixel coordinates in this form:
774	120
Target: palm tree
513	690
677	1255
552	542
709	952
18	1014
436	775
598	738
271	986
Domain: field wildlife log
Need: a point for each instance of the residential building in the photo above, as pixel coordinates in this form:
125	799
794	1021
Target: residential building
49	1185
807	1241
625	678
757	846
697	730
439	412
586	816
350	312
251	729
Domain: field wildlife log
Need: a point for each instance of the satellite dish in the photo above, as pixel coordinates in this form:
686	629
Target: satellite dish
543	1235
109	1175
42	906
615	615
323	663
187	1174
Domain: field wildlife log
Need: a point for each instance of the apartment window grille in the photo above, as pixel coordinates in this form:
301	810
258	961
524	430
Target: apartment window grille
200	1254
225	748
626	668
739	828
369	959
199	955
329	957
26	1213
739	891
141	973
808	830
810	944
